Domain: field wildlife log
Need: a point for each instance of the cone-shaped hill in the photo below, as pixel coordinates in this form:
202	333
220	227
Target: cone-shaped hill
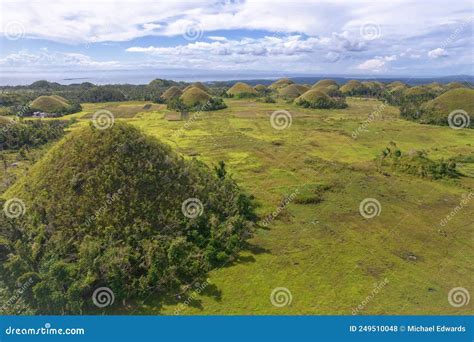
198	85
194	96
119	209
171	93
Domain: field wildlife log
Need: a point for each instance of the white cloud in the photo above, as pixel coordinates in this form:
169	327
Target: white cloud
56	60
307	36
391	58
375	65
437	53
217	38
109	20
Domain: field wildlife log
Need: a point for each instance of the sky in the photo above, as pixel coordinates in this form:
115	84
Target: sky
236	39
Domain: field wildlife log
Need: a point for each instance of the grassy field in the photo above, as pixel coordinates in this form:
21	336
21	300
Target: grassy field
319	247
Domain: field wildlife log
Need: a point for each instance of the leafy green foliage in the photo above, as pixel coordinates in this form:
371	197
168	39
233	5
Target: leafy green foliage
214	103
30	133
322	103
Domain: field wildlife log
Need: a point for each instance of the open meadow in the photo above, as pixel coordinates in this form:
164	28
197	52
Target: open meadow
311	171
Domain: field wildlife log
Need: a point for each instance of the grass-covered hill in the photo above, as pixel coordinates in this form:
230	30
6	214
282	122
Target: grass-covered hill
194	96
119	209
325	83
198	85
317	99
53	104
291	91
260	87
241	90
283	82
351	87
437	110
171	93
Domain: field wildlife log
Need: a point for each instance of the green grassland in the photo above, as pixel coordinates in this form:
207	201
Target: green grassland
319	247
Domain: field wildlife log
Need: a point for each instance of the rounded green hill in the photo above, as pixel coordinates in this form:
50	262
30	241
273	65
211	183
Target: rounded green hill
315	98
283	82
198	85
241	89
437	110
291	91
351	86
325	83
51	104
171	93
119	209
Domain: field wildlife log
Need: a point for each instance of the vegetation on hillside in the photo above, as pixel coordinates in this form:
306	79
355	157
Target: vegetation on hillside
317	99
30	133
116	208
241	90
53	104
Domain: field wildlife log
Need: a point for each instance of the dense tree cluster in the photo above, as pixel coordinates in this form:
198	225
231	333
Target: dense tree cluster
30	133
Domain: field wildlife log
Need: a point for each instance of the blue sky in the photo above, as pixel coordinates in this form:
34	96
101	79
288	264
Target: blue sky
232	38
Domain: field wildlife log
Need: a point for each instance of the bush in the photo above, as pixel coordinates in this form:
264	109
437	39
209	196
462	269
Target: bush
214	103
322	103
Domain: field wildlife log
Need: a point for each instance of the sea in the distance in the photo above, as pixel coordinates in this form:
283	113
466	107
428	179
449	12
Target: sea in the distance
146	76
